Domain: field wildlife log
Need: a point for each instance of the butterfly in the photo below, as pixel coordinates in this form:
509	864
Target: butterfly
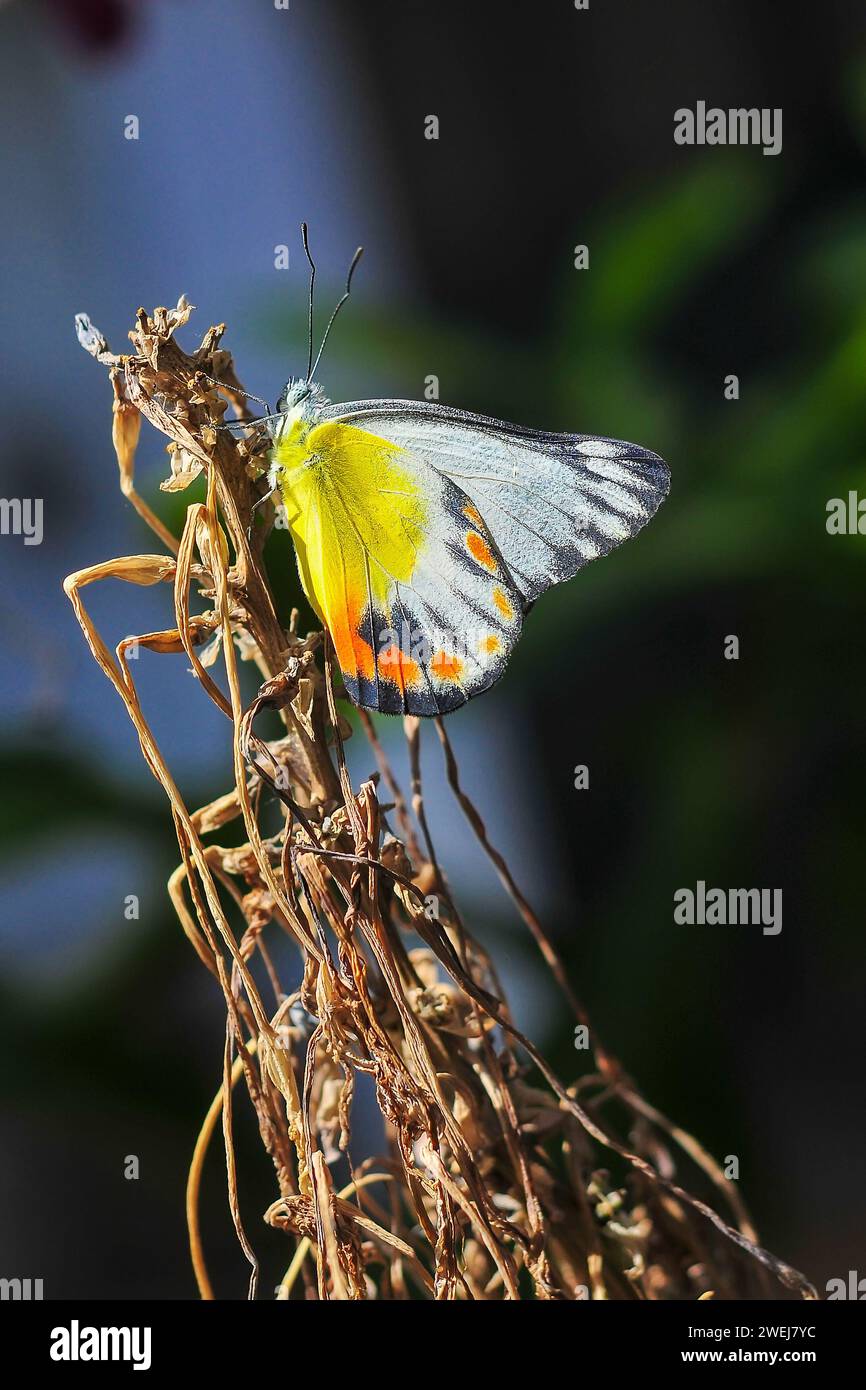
424	534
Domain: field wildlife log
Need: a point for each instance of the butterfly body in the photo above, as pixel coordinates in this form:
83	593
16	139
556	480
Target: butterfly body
424	534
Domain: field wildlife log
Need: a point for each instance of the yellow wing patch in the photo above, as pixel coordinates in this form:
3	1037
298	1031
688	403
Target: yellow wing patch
346	497
417	603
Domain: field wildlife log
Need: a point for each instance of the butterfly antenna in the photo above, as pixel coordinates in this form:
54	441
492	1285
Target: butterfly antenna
249	424
312	282
348	290
233	390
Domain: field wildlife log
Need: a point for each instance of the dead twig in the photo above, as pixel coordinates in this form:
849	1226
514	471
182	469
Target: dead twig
493	1185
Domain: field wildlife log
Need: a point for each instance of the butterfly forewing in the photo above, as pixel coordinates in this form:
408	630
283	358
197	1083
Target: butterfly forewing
552	502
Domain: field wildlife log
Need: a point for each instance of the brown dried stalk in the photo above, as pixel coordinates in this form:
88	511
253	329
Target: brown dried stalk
494	1184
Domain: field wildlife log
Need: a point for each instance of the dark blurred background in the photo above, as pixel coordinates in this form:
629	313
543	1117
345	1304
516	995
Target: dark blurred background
556	128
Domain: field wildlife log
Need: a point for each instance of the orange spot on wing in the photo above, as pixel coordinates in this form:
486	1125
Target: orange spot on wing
396	666
503	603
472	514
480	550
490	645
354	652
446	667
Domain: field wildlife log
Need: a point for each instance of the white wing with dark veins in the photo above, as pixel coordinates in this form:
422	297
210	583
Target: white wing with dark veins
551	502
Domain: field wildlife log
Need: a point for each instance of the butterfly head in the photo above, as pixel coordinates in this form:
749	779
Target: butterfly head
298	409
298	412
301	399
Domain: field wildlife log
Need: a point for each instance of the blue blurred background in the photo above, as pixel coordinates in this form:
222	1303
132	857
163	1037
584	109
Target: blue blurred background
556	129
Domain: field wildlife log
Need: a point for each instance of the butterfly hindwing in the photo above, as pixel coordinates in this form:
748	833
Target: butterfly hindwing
553	502
401	567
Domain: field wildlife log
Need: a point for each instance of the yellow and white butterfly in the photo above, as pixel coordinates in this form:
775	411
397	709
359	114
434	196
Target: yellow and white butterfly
424	534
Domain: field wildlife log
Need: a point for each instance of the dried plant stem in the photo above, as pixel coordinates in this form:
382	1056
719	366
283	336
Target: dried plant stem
493	1181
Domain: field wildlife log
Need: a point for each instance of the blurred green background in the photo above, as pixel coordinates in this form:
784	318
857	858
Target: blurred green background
556	129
